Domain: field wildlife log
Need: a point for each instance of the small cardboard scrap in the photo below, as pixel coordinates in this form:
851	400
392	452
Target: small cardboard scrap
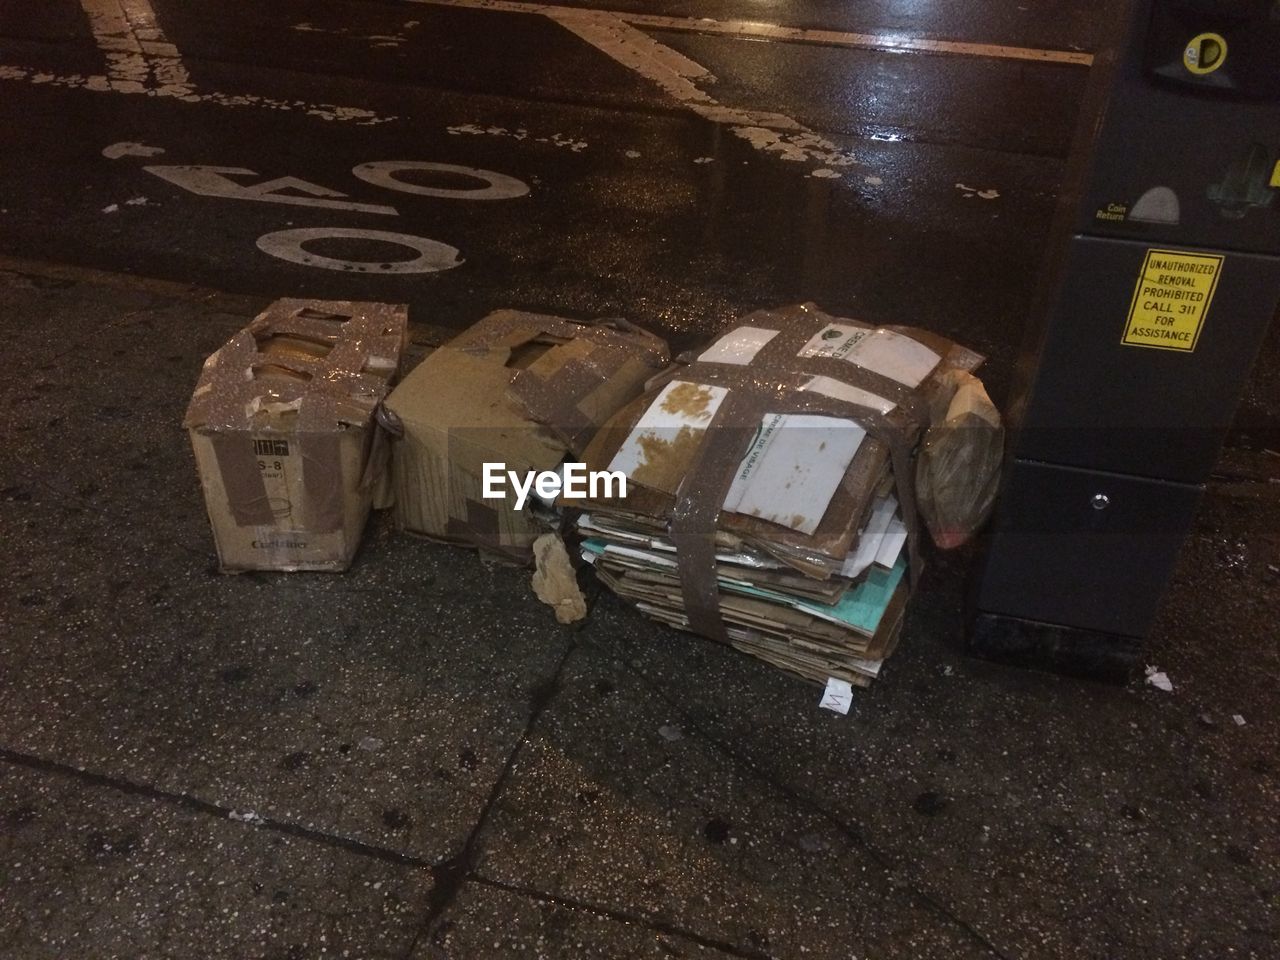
282	426
554	580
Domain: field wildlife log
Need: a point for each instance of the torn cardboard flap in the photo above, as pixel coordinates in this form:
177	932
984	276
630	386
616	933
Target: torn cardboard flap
282	426
325	362
519	389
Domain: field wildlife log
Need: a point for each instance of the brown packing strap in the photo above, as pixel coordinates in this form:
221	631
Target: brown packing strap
769	384
241	479
340	387
481	528
547	405
558	401
606	331
323	481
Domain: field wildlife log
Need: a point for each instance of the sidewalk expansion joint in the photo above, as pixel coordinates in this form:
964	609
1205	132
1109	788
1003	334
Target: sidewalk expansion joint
854	835
196	805
621	916
452	874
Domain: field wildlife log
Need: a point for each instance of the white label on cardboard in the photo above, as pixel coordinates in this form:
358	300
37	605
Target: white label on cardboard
738	346
891	544
881	351
838	390
793	468
871	538
838	696
664	420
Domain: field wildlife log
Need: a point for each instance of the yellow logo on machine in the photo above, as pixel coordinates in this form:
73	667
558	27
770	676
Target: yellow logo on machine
1171	300
1205	53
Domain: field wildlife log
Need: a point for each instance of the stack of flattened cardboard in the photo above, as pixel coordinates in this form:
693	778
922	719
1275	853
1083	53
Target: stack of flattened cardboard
517	390
282	425
771	503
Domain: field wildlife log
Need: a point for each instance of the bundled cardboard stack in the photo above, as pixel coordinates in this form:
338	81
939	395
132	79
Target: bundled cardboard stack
772	502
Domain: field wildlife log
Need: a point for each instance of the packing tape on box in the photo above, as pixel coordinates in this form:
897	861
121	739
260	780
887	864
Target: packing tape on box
499	327
563	397
342	387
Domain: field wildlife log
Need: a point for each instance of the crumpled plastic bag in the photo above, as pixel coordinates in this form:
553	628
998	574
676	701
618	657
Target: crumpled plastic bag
958	464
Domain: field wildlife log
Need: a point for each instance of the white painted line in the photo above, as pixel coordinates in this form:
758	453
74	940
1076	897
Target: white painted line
433	256
215	182
891	42
135	47
497	186
103	84
771	31
128	148
769	132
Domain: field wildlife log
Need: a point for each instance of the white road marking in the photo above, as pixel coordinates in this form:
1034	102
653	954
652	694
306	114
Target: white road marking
433	256
135	47
497	186
103	84
892	42
374	39
520	133
770	132
771	31
615	34
213	182
127	148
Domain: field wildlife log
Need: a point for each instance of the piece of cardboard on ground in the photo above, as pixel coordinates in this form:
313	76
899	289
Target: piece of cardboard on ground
520	389
282	426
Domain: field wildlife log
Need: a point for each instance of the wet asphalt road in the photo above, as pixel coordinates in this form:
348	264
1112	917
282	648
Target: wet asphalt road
412	760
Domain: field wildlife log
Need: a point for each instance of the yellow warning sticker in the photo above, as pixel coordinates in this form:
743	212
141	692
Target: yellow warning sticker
1171	301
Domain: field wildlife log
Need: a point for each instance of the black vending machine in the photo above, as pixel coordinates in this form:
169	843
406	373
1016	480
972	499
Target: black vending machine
1162	277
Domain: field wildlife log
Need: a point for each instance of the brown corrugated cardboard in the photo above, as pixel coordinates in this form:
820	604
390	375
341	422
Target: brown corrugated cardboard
282	425
772	500
516	388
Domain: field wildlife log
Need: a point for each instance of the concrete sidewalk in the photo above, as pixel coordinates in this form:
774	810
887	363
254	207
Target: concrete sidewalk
414	760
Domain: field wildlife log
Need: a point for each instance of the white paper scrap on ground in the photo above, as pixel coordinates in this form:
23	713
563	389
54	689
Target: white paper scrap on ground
1159	679
839	390
793	468
838	696
664	420
738	346
881	351
1237	720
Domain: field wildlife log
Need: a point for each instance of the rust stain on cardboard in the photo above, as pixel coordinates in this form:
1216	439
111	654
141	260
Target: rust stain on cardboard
666	460
689	399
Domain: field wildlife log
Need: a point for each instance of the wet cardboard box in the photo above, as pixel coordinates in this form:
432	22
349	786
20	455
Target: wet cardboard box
282	423
520	389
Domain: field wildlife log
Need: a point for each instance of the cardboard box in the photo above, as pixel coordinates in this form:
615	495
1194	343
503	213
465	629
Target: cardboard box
283	429
521	389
